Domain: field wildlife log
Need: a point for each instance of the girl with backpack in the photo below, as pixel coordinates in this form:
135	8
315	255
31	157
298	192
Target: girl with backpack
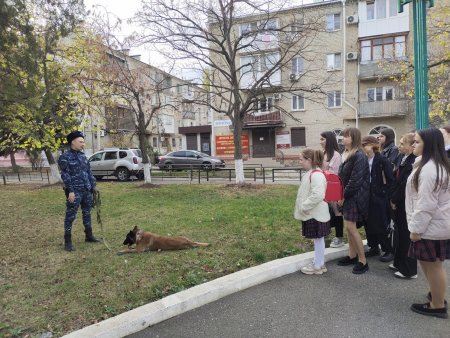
332	162
428	213
311	209
354	172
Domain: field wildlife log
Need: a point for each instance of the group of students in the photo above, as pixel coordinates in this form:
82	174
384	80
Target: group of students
407	187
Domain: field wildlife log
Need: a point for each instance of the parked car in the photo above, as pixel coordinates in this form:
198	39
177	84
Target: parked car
119	162
184	159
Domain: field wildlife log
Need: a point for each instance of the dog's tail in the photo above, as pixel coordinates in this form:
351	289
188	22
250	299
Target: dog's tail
201	244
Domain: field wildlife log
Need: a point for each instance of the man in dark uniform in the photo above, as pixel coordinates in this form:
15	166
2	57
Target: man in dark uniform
79	184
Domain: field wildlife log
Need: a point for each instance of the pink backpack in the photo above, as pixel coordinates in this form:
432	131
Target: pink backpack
335	190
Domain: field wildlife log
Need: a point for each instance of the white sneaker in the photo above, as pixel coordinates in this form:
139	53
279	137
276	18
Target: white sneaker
398	274
392	267
311	270
337	242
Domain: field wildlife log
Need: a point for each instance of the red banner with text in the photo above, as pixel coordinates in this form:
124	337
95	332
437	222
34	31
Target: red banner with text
225	145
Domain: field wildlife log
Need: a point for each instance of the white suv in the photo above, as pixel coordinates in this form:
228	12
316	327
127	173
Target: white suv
119	162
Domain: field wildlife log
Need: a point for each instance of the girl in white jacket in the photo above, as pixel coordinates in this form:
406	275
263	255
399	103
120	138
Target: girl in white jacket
311	209
428	214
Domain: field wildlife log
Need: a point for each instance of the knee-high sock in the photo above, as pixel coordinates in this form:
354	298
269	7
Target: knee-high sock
319	252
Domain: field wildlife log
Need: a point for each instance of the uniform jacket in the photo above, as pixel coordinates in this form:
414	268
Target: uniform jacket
428	211
76	171
391	152
381	180
309	203
354	173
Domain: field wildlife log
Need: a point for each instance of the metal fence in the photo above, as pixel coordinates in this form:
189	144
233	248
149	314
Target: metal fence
36	176
254	173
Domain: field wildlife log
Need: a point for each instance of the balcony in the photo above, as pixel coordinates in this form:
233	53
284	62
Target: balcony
263	119
385	108
375	70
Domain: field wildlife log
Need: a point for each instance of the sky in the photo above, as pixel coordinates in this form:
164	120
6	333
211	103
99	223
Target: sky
125	9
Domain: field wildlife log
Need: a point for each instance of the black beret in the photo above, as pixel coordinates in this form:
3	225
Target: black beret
73	135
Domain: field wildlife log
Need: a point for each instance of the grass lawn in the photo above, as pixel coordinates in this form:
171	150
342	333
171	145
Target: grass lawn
43	288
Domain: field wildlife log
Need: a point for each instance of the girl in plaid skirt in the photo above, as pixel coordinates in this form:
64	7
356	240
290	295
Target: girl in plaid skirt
311	209
428	213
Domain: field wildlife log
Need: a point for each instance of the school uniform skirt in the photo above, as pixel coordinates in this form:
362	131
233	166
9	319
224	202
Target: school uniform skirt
315	229
429	250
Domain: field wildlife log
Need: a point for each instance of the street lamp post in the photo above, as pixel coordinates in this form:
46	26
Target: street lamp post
420	58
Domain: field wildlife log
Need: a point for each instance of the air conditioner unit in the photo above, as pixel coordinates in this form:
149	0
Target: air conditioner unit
294	77
352	19
352	56
277	96
102	132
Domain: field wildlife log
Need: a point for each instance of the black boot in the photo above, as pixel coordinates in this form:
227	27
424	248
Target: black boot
90	237
68	242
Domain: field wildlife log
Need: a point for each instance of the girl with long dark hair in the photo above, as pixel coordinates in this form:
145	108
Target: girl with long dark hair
404	267
428	213
332	162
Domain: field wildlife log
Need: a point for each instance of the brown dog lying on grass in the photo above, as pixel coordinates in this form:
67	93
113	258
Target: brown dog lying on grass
147	241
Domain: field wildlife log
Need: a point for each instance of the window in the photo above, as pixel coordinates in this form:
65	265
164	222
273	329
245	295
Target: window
264	105
380	94
174	142
370	6
389	47
334	61
298	137
297	65
333	22
111	155
380	9
123	154
334	99
249	27
179	154
339	136
377	130
258	64
96	157
154	142
298	102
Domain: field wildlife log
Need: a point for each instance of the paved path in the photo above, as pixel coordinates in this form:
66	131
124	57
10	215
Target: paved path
338	304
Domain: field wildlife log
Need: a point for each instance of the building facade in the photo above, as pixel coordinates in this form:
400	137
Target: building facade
348	62
179	122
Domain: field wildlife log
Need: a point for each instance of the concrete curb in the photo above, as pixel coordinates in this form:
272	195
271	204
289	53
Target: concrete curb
173	305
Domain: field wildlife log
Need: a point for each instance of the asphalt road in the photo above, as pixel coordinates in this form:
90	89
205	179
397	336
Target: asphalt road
337	303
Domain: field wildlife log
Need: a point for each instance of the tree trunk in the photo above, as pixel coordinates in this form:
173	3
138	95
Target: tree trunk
12	157
238	162
55	176
144	150
147	174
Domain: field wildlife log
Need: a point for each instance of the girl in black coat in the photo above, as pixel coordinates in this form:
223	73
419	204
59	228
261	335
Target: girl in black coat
378	221
354	172
389	150
405	267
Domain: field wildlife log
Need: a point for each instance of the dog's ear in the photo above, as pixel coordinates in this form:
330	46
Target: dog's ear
135	229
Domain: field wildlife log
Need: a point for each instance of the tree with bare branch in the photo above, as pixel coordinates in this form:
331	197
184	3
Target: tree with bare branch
241	46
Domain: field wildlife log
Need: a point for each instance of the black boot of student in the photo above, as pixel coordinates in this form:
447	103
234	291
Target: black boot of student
68	242
90	237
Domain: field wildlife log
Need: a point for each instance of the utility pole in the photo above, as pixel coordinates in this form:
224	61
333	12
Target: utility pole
420	58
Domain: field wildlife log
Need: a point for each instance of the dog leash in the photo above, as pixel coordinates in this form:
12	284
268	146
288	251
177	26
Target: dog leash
97	203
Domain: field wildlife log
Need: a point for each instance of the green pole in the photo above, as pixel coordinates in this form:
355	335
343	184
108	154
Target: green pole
420	59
